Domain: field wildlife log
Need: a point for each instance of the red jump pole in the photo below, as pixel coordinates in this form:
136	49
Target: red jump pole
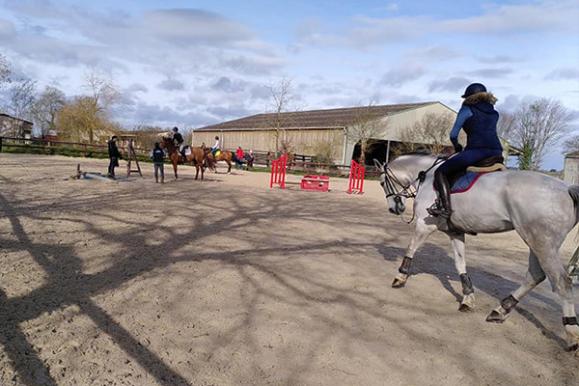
278	172
356	180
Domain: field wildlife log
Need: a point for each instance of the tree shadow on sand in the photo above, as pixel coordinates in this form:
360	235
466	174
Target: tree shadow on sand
264	272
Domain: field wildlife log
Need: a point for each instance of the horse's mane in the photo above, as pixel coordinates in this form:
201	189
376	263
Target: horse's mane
420	153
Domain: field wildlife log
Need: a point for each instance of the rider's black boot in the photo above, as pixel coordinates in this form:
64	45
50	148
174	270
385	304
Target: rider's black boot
442	206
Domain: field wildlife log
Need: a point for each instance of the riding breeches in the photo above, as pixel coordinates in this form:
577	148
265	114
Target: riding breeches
465	159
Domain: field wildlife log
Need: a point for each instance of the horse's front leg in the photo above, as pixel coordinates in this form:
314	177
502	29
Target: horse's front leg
175	168
467	302
421	233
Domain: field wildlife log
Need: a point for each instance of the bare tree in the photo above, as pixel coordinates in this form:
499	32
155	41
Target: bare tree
432	133
21	98
571	145
364	129
87	116
101	90
537	126
46	107
324	151
281	98
506	124
4	71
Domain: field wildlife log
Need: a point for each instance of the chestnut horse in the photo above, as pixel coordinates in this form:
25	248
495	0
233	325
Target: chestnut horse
196	158
223	155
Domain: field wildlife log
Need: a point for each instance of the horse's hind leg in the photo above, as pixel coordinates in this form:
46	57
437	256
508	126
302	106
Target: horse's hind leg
535	275
467	302
548	261
562	285
421	233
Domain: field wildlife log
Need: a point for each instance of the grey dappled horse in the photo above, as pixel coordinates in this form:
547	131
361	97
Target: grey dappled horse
541	209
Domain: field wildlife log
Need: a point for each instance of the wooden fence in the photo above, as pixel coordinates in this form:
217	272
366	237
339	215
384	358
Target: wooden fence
49	146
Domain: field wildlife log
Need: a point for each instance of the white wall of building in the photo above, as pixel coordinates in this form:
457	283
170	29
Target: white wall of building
571	171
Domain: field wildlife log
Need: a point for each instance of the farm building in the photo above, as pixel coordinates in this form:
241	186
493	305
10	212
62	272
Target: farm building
308	131
571	171
14	127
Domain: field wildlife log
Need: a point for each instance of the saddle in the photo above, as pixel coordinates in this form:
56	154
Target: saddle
487	165
464	180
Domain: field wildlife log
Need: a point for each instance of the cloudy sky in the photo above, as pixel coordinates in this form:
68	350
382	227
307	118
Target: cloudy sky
192	63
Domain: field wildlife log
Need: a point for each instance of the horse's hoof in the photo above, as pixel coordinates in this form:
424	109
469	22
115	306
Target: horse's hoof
467	303
465	308
496	317
574	348
397	283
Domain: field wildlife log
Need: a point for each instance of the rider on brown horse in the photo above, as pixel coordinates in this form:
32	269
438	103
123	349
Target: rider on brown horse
179	142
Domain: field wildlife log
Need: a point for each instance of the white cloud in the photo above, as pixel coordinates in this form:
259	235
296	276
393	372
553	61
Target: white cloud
567	73
516	18
544	16
402	74
492	72
452	84
171	85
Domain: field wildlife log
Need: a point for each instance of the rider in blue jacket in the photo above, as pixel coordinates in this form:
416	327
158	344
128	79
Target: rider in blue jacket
478	118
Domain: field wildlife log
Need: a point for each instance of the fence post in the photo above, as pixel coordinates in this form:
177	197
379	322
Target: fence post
0	144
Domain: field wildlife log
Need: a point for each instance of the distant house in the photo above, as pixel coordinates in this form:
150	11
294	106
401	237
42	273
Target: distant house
571	170
14	127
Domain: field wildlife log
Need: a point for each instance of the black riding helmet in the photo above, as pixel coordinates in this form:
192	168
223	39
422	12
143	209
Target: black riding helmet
175	129
474	88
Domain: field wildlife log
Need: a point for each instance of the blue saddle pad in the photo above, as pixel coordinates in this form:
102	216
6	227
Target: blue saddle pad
465	182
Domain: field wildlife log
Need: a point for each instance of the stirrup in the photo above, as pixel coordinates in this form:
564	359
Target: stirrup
437	210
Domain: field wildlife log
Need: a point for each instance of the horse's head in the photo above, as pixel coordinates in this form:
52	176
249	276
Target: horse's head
166	142
391	187
398	177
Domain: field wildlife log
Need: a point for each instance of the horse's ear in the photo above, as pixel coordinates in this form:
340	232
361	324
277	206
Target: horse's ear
379	166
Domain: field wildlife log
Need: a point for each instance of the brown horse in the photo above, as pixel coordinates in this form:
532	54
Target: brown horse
196	158
223	155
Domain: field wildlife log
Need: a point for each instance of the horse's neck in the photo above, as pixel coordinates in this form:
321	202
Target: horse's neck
409	167
170	147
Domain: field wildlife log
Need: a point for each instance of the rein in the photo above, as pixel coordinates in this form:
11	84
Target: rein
406	191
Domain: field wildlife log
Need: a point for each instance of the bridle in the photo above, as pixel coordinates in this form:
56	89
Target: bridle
405	191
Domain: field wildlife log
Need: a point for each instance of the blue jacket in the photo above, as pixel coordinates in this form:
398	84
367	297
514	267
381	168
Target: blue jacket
479	122
158	155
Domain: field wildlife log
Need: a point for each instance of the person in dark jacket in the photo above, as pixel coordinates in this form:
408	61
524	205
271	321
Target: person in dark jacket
158	156
478	118
178	139
114	156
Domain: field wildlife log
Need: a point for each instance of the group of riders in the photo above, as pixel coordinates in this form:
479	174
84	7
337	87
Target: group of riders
179	142
240	157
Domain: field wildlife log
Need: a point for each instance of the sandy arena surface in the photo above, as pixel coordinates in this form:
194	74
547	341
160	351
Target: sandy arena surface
225	282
